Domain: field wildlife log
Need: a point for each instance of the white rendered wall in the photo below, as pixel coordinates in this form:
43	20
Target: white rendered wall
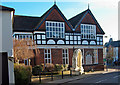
6	43
6	32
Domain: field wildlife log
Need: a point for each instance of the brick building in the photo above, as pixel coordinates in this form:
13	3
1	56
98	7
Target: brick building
57	37
115	46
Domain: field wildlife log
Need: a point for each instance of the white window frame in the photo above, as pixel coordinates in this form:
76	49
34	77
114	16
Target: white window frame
95	56
87	29
46	53
65	57
62	33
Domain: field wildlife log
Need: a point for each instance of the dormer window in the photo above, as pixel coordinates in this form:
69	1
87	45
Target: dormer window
55	29
88	31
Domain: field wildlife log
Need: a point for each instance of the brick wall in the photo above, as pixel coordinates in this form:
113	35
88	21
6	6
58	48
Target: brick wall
100	56
39	58
70	56
56	55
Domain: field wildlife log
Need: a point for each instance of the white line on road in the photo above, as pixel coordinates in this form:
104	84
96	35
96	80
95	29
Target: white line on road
106	79
101	81
116	76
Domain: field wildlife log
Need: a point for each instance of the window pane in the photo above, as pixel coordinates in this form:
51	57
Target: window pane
48	55
47	34
38	37
75	42
67	42
78	37
67	37
66	61
45	55
38	41
66	50
71	42
71	37
48	50
63	61
43	36
45	60
75	37
63	50
49	61
79	42
43	42
45	50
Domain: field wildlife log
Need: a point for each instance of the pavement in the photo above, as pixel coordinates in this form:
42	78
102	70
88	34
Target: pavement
87	74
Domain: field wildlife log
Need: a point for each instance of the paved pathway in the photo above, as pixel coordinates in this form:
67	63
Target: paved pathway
86	75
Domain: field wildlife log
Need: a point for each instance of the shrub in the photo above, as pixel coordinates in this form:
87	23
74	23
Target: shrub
65	67
22	74
36	69
58	67
49	67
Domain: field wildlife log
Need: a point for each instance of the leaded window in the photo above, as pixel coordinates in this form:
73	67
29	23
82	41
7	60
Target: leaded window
55	29
65	56
88	31
47	56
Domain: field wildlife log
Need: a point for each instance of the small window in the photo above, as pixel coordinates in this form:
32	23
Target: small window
38	37
67	42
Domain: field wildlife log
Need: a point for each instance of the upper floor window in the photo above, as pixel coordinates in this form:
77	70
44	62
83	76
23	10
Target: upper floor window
88	31
55	29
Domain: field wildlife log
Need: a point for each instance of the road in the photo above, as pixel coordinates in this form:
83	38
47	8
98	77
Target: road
113	77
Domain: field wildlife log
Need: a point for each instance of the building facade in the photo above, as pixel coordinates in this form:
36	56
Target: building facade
57	38
6	26
115	46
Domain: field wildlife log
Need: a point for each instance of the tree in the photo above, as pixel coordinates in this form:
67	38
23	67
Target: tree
110	54
24	49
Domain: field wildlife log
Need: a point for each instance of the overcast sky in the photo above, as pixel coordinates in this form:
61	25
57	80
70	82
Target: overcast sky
105	11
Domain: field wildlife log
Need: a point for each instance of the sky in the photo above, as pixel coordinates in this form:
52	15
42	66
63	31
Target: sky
105	11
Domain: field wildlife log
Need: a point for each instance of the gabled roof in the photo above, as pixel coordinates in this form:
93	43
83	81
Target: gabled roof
44	16
25	23
76	20
113	44
4	8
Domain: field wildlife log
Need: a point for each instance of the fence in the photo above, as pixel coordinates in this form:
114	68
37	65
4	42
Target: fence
44	77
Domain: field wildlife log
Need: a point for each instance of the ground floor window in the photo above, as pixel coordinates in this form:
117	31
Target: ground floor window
65	56
88	59
47	58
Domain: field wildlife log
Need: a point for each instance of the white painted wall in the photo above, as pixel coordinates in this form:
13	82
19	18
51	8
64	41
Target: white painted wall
6	43
6	29
0	70
11	71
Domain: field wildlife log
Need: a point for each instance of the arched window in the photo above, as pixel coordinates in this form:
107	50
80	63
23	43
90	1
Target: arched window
89	58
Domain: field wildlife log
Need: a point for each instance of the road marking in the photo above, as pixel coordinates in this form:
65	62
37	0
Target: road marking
106	79
116	76
101	81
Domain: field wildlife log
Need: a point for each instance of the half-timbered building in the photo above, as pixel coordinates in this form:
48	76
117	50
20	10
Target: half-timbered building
57	38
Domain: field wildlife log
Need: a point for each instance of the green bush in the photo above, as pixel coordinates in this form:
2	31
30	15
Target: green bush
36	69
22	74
58	67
